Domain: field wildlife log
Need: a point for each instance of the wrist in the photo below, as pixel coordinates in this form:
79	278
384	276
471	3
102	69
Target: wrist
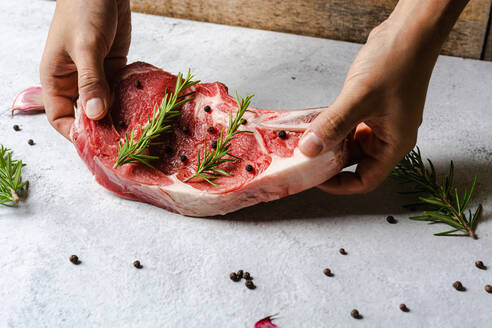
426	23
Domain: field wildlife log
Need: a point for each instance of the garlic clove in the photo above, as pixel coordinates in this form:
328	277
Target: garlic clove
29	101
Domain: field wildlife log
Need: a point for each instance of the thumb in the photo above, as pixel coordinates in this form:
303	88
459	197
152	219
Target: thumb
330	128
92	84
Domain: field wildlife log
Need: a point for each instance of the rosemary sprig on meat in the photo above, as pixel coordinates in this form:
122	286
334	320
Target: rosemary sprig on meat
136	151
12	187
208	165
442	202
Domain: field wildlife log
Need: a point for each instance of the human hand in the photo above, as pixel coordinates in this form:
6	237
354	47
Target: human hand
87	43
382	99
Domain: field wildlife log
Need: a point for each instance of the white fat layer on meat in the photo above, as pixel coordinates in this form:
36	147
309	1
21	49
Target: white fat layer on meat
260	141
143	69
283	177
295	120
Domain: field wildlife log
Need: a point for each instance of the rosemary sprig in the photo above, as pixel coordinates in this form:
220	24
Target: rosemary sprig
442	202
11	185
135	151
207	168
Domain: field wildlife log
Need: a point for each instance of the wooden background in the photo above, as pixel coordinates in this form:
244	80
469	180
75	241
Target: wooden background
349	20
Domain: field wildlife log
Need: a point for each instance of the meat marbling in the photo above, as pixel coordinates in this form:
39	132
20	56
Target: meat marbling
279	168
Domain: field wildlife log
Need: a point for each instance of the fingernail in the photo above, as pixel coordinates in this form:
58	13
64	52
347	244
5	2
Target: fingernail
94	108
310	144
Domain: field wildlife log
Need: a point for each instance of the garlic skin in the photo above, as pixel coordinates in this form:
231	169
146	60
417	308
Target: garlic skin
266	322
28	101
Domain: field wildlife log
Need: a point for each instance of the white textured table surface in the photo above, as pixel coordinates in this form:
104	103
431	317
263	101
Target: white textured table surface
284	244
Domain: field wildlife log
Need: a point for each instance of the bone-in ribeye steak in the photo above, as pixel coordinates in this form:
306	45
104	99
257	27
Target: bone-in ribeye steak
279	168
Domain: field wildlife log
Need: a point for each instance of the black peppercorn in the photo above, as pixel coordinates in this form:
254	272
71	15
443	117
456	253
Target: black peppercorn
404	308
244	121
186	129
250	284
121	123
214	144
210	129
459	286
488	289
168	149
247	276
206	109
342	251
183	158
16	128
234	277
282	134
391	219
74	259
355	314
249	167
328	272
137	264
240	274
480	265
137	84
30	142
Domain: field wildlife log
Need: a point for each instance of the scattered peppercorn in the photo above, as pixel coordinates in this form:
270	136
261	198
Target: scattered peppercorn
355	314
240	274
30	142
186	129
16	127
249	168
121	123
137	84
168	149
234	277
404	308
282	134
328	272
293	77
247	276
183	158
391	219
342	251
206	109
250	284
137	264
74	259
210	129
488	289
480	265
214	144
459	286
244	122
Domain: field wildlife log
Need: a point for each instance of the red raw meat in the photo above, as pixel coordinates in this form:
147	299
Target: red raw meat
279	168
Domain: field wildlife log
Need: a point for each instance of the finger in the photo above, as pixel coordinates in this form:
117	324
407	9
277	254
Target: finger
59	91
59	110
377	162
92	84
331	127
369	174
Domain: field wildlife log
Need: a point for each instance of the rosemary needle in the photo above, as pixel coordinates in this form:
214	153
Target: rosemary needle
11	184
131	150
442	202
207	168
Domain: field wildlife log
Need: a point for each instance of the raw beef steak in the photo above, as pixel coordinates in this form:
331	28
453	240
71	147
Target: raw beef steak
278	167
